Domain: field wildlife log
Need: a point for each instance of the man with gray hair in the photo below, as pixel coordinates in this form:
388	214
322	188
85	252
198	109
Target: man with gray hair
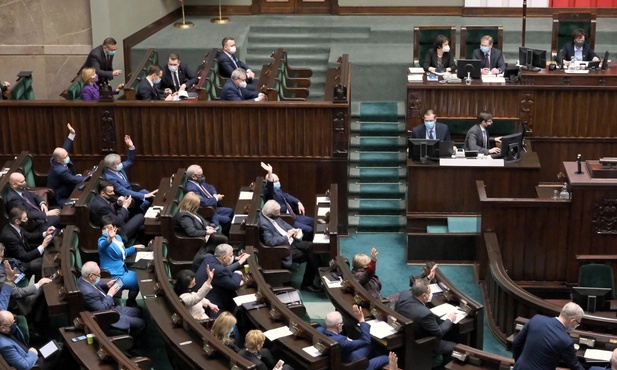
115	173
544	341
235	88
208	197
227	277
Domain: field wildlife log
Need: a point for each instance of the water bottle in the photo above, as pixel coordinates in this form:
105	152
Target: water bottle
572	67
564	194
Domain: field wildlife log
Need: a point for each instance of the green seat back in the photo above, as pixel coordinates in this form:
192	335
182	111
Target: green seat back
596	275
426	41
179	195
500	127
564	32
74	91
474	35
76	260
23	89
173	210
28	173
164	250
22	324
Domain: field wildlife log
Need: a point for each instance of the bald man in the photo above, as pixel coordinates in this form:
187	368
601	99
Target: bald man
62	176
40	217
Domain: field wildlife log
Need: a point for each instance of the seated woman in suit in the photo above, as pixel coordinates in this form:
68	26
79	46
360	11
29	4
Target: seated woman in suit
363	269
438	59
192	224
195	301
262	357
90	90
225	330
112	254
577	49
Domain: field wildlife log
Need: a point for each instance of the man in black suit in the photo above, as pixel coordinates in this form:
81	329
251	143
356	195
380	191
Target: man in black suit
177	76
477	137
147	89
492	58
17	242
235	88
578	49
106	203
101	58
40	217
431	129
412	304
229	63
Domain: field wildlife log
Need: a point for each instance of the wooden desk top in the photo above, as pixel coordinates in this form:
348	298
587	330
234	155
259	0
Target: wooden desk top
583	179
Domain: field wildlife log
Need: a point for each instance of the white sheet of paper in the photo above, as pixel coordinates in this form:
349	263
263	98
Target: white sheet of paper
598	354
460	314
48	349
321	238
436	289
380	329
322	211
277	333
311	350
323	200
245	299
416	70
493	79
245	195
332	284
443	309
152	213
238	219
144	255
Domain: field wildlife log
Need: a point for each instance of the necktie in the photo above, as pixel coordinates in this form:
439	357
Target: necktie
487	61
484	143
24	242
205	191
430	134
289	209
176	81
233	59
23	195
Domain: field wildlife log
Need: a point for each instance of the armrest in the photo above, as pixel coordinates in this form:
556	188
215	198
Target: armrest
124	342
105	319
206	212
358	363
272	257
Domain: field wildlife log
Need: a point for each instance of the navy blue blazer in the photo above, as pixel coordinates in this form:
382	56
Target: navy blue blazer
185	76
542	343
99	61
348	346
13	199
442	133
280	196
568	52
122	186
224	283
62	178
204	199
145	91
496	59
232	92
227	66
96	300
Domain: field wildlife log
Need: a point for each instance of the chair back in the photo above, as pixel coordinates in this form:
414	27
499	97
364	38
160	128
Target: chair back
74	91
597	275
565	23
424	39
471	35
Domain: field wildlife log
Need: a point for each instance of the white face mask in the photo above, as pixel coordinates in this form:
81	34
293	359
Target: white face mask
232	50
446	49
243	84
430	296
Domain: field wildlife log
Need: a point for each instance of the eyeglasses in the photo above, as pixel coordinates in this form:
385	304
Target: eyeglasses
97	275
578	323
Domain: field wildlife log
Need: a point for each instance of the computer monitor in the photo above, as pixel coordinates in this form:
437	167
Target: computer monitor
420	150
531	59
512	146
473	67
591	299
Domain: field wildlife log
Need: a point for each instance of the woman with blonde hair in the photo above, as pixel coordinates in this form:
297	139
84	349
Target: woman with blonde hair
193	224
262	357
223	328
364	268
90	90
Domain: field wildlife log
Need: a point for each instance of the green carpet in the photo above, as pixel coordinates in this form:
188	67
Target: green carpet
378	111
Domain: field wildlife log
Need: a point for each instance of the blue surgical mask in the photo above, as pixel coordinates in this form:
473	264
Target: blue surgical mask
173	68
120	166
569	330
429	125
277	185
484	49
111	53
97	281
67	160
158	80
105	233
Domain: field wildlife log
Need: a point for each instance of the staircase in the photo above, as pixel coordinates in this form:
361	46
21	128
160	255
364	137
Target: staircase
377	170
307	47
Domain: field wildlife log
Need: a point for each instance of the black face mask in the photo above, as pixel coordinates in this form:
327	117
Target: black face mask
579	44
13	329
201	179
113	198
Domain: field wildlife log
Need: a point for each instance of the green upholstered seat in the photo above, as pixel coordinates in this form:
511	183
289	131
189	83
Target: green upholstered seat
471	35
74	91
565	23
424	39
595	275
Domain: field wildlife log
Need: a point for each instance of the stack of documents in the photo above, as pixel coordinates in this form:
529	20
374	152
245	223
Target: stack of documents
277	333
493	79
380	329
443	310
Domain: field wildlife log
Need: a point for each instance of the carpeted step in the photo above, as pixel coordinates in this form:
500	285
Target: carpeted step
378	128
377	223
377	159
378	143
309	30
376	206
377	175
381	191
378	112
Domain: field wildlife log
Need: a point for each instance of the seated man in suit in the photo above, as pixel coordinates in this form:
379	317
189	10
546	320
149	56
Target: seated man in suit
101	58
227	277
229	63
177	76
115	173
477	137
353	349
544	341
99	296
40	217
612	363
62	175
492	58
235	88
431	129
106	203
289	204
412	304
16	240
577	49
275	231
148	87
208	197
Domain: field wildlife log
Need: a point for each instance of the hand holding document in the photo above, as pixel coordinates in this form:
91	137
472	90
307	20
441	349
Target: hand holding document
445	309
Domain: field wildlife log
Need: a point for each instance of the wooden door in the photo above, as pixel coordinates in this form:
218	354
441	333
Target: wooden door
295	6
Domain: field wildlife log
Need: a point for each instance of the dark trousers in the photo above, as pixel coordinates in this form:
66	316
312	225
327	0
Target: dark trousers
302	251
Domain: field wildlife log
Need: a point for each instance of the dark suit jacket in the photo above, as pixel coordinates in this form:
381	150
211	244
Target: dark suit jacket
280	196
192	225
98	60
62	178
226	65
542	343
425	323
185	76
442	133
348	347
266	362
447	60
13	199
204	199
496	59
95	300
475	141
123	186
235	93
145	91
224	283
16	247
568	52
100	207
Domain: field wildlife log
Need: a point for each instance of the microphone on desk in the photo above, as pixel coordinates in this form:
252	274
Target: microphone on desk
578	165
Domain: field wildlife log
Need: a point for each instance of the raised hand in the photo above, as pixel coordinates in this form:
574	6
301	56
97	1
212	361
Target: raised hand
71	129
128	141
